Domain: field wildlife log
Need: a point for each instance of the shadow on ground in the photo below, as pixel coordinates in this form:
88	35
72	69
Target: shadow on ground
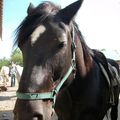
6	115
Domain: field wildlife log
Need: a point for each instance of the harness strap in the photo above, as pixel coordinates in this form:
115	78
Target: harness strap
34	96
112	98
105	73
115	74
56	90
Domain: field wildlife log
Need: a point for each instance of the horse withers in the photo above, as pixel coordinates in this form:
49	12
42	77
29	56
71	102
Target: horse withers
61	73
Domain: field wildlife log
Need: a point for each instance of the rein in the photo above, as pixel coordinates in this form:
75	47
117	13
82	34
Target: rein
52	94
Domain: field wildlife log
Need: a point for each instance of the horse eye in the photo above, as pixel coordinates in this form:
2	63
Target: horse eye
61	45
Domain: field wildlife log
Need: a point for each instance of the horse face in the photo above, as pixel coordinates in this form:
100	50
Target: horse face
46	57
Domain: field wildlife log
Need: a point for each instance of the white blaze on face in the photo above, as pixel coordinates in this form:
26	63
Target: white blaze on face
37	32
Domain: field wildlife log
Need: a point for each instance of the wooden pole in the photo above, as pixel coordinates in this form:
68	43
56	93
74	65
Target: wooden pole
1	17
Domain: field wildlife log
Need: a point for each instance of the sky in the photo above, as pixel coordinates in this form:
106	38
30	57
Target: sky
98	20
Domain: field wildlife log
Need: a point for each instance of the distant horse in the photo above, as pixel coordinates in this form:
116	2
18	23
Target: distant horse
19	70
4	73
1	79
61	73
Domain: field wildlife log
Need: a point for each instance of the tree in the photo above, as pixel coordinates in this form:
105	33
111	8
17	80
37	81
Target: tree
4	62
17	57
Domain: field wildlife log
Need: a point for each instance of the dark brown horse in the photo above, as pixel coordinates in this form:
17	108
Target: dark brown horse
61	73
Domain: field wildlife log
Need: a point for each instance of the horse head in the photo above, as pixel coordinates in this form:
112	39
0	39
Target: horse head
45	38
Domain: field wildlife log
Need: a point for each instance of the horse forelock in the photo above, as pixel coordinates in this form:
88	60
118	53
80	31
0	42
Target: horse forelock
31	22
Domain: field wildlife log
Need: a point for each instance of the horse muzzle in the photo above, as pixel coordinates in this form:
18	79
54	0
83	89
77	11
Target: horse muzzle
34	110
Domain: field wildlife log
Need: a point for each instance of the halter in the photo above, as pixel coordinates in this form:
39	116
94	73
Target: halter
52	95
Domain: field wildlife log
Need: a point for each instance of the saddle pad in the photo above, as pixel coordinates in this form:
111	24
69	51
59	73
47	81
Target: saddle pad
115	76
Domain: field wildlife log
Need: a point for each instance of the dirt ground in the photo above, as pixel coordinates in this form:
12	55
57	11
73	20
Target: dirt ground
7	102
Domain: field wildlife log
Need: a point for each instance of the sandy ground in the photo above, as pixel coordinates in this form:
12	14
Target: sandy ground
7	102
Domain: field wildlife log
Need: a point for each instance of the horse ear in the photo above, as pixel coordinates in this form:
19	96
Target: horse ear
30	9
70	11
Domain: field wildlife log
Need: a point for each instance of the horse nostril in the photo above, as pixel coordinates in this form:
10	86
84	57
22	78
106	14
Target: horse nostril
37	116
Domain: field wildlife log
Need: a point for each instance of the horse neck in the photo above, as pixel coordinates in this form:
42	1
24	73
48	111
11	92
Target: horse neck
83	58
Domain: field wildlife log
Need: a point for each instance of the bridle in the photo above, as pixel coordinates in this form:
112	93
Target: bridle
52	95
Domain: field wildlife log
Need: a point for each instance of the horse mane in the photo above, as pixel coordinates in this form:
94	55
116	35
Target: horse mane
41	12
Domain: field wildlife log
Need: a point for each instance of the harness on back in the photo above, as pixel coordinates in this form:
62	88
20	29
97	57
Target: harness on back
112	76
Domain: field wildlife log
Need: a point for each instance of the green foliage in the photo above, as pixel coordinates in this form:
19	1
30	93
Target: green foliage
16	57
4	62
